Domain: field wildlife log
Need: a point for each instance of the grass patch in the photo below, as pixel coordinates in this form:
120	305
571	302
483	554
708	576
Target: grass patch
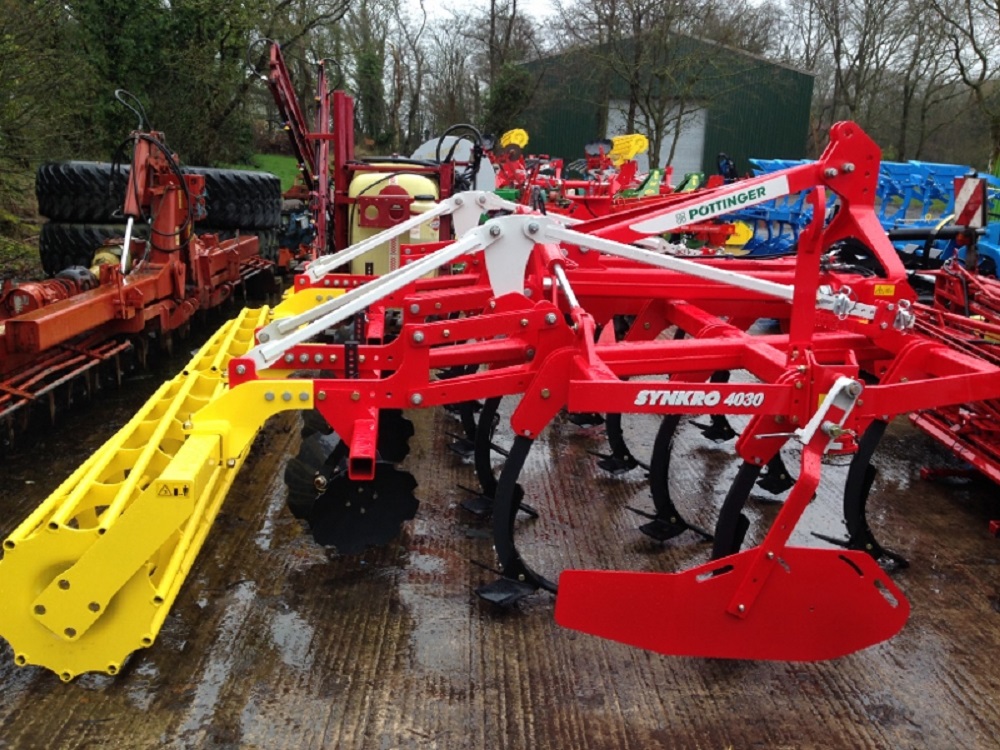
285	168
19	226
19	260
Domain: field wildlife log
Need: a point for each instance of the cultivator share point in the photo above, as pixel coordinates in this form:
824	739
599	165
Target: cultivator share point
588	317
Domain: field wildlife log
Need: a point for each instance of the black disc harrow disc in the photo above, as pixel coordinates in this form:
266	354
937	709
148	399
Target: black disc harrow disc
352	515
394	433
309	472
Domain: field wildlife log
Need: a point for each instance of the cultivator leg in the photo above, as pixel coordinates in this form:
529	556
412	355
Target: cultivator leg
860	478
518	580
667	522
620	460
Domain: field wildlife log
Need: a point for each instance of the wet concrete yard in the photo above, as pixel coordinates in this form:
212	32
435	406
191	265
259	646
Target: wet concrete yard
274	643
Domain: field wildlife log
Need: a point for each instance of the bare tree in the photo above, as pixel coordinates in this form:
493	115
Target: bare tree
973	33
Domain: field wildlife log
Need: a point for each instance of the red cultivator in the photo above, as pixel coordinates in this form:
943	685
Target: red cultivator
585	317
570	317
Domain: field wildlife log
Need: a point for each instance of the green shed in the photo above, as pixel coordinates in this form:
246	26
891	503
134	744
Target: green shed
710	98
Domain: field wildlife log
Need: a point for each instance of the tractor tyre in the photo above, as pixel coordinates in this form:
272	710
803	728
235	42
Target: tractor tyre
80	191
236	199
63	244
88	192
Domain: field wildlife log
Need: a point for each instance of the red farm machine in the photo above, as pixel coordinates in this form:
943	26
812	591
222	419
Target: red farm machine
555	314
62	337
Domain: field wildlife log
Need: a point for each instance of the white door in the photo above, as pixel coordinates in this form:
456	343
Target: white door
690	142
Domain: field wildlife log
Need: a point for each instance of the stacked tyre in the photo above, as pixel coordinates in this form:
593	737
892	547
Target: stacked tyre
83	202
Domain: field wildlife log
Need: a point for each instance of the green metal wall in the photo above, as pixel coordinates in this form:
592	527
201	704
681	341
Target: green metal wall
754	108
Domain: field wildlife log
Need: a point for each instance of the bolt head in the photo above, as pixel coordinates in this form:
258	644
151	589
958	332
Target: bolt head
550	318
414	308
494	231
416	399
355	396
241	369
418	336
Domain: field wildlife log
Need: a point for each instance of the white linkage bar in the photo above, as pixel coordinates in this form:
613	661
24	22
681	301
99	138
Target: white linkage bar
277	337
466	206
555	233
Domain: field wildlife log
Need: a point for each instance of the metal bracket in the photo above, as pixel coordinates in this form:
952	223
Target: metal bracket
843	395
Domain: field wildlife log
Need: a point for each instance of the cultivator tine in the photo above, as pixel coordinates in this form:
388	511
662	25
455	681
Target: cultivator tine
464	446
860	478
518	580
776	478
667	522
731	528
587	419
718	429
481	504
620	460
